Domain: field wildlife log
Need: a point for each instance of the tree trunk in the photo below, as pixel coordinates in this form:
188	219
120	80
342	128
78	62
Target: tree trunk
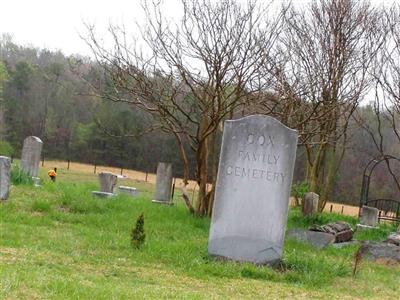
329	178
202	177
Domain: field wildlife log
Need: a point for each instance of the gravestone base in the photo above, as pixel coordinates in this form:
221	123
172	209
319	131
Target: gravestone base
162	202
102	194
245	249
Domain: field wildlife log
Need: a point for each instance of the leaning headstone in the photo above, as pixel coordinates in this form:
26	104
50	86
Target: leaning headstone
369	216
108	181
252	190
31	153
310	203
163	183
5	169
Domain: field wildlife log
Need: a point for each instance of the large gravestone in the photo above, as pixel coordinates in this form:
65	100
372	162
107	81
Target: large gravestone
5	167
252	190
31	153
163	183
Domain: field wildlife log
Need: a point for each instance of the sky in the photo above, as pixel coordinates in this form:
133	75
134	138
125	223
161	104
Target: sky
59	24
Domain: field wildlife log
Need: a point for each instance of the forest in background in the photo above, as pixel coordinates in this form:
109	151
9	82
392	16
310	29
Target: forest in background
51	96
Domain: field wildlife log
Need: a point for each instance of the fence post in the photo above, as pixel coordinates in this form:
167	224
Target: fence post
147	173
331	207
68	164
95	167
342	209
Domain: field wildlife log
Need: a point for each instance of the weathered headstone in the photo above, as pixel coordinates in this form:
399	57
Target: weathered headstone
163	183
108	181
31	153
310	203
252	190
5	167
369	216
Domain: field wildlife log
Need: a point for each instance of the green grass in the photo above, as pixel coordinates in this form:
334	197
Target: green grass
57	242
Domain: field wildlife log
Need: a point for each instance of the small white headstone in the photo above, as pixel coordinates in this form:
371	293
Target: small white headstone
252	190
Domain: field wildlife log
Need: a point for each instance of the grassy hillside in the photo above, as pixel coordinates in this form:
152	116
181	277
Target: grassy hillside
57	242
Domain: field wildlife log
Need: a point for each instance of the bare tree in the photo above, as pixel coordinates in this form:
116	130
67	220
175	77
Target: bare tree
326	51
195	74
386	104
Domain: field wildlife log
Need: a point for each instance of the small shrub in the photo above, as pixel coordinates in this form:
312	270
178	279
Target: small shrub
6	149
138	235
19	176
298	191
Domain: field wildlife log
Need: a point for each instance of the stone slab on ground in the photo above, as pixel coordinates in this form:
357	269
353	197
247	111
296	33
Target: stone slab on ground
132	191
382	252
315	238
